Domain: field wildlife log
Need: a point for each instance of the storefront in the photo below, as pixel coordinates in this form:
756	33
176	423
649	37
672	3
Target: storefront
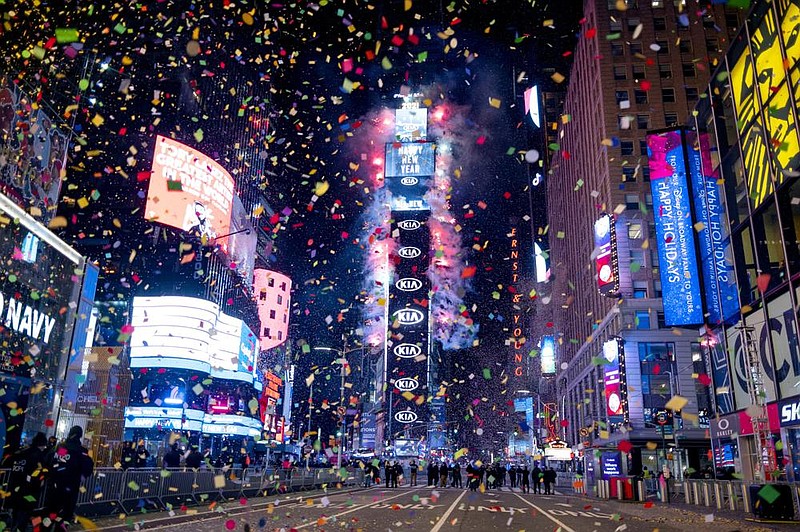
789	416
735	449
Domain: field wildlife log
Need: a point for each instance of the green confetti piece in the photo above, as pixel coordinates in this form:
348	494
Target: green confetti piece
174	185
613	36
133	485
12	278
83	84
422	57
198	135
553	146
769	493
741	4
120	28
511	151
306	349
66	35
635	267
487	373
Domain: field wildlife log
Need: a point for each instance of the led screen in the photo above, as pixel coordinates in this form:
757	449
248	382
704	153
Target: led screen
548	355
409	159
411	124
606	263
189	191
674	229
614	379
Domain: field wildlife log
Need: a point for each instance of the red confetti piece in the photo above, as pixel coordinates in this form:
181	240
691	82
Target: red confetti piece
625	446
645	85
591	33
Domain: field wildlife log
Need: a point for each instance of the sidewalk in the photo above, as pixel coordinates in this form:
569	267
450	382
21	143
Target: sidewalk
681	515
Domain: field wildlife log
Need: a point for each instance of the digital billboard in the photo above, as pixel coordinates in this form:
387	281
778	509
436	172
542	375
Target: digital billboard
191	333
716	260
606	261
614	380
548	355
409	159
532	105
411	124
33	151
243	242
190	191
166	418
672	212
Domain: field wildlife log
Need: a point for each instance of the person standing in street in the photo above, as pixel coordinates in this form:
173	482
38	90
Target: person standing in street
512	476
412	467
443	471
526	479
549	480
172	460
70	463
25	482
536	477
457	475
387	471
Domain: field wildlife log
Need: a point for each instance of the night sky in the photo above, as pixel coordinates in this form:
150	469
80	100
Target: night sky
323	72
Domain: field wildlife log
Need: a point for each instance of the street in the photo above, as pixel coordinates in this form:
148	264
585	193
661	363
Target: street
423	509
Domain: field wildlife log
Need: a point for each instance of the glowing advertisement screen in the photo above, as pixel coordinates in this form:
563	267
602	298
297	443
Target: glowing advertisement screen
613	374
719	280
606	264
190	333
675	237
411	124
410	159
189	191
548	355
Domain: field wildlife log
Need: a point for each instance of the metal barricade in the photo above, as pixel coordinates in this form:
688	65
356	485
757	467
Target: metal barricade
177	487
102	492
140	490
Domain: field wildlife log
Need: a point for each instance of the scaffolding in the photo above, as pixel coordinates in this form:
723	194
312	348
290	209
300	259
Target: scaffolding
765	464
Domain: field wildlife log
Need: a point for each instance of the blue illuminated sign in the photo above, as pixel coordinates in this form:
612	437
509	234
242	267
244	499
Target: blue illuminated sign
680	283
548	355
722	299
610	464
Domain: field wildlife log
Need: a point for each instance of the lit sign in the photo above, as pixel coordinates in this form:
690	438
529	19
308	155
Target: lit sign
148	417
411	122
613	379
405	416
532	104
409	225
401	203
674	229
26	319
409	252
606	264
517	335
407	350
722	299
408	284
410	159
789	411
610	465
406	384
409	316
189	191
409	181
548	355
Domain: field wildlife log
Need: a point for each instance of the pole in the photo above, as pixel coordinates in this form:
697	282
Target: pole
343	422
308	431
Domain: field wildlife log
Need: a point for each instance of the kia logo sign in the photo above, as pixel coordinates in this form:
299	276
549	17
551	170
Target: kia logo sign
406	384
406	416
407	350
408	284
409	181
409	316
409	225
409	252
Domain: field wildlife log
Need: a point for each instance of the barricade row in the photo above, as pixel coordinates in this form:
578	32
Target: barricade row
111	491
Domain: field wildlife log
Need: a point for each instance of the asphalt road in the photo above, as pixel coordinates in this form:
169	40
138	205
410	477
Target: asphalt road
418	509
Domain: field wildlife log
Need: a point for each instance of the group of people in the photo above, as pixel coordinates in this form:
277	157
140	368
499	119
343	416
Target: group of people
519	476
58	466
443	474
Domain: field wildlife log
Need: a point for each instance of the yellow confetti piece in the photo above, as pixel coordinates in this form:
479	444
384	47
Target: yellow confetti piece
558	78
87	524
98	120
321	188
219	481
495	102
676	403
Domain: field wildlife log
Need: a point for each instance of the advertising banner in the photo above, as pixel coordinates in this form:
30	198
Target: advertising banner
672	211
243	242
409	159
548	355
190	191
613	379
719	280
367	431
606	261
411	124
610	464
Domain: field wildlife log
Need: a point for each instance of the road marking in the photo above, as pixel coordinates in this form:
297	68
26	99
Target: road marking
360	507
438	526
546	514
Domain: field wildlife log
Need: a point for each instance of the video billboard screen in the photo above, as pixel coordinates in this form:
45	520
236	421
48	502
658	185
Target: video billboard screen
189	191
409	159
606	263
243	242
411	124
548	355
672	212
716	259
613	383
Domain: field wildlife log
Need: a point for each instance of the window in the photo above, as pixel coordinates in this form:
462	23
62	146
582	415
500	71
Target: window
636	48
629	176
634	230
626	147
688	70
685	46
643	147
648	200
732	21
640	96
637	256
708	21
283	286
659	23
616	49
642	319
646	174
632	23
620	73
663	46
643	121
657	365
615	26
271	282
640	290
262	295
671	119
267	333
692	94
280	335
272	314
280	299
712	44
639	71
657	289
668	95
657	4
625	121
622	96
665	71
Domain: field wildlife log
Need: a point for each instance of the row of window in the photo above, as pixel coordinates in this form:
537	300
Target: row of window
643	121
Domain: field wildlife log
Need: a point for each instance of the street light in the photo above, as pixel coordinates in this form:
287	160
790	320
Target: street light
343	423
